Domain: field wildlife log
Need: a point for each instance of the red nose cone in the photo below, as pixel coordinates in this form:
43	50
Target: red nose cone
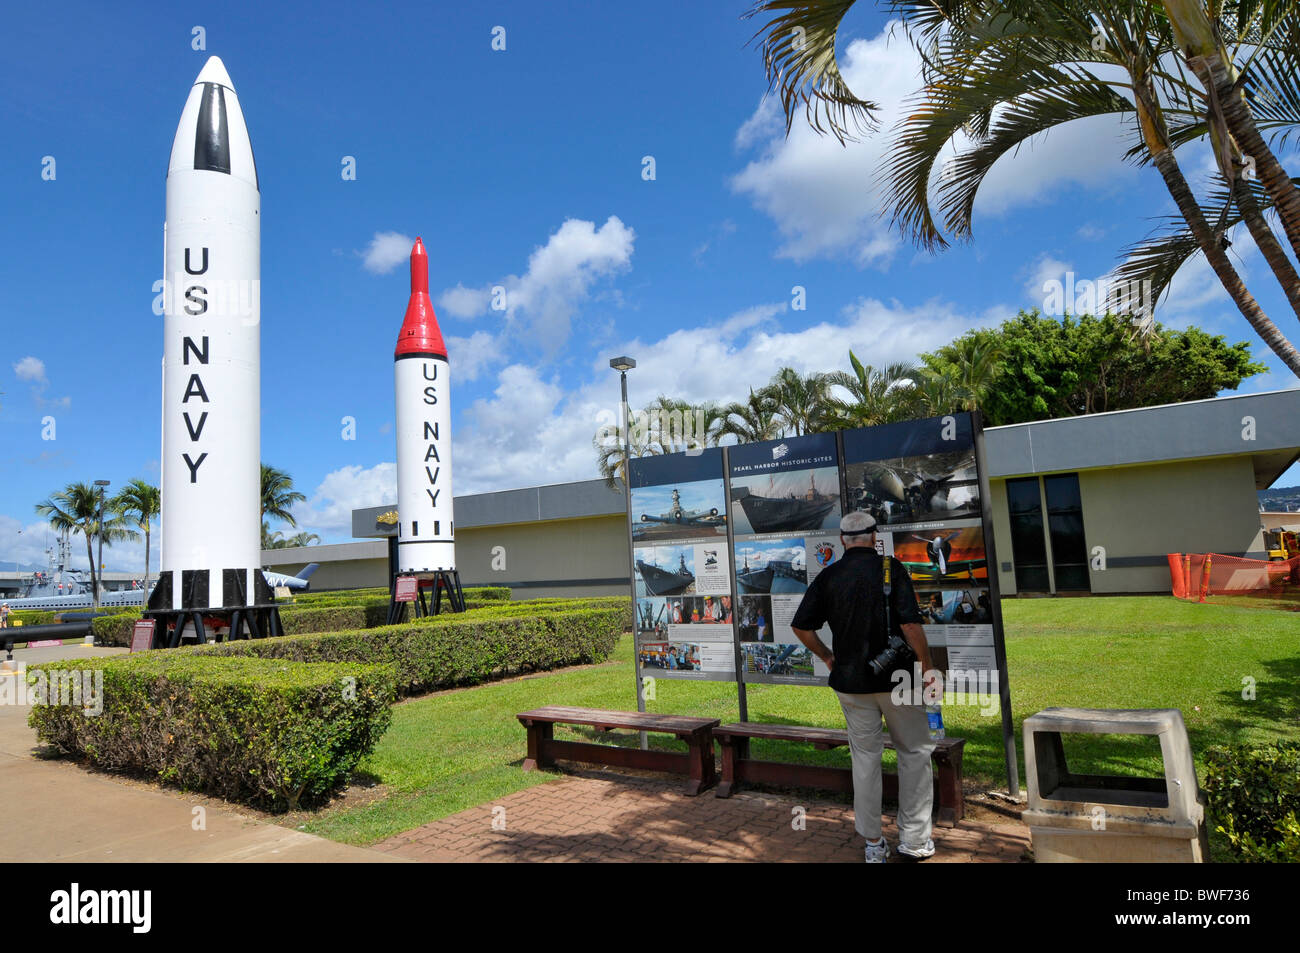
420	333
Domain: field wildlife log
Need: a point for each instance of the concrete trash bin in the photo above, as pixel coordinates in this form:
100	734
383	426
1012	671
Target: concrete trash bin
1090	818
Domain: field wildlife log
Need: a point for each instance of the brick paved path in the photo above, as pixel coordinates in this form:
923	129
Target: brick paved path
592	815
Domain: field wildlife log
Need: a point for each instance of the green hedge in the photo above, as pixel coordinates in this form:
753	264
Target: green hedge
31	616
114	629
332	618
352	597
450	650
266	732
1253	798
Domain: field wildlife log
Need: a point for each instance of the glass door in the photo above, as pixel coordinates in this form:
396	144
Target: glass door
1028	548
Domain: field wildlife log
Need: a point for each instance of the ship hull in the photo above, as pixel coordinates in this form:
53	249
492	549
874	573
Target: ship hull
661	583
779	516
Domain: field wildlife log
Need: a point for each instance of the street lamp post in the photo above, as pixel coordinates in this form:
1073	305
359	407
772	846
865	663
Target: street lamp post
98	573
623	365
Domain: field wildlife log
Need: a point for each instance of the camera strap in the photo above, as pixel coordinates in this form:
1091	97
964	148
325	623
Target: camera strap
887	588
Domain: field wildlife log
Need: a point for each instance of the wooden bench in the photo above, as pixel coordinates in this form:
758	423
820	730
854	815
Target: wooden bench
738	766
696	762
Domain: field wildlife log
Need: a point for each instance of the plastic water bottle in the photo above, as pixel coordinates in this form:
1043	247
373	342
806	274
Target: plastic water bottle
934	715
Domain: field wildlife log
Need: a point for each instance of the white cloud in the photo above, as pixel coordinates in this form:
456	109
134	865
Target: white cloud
27	544
462	302
1045	269
32	370
329	509
826	198
539	430
560	275
386	251
472	355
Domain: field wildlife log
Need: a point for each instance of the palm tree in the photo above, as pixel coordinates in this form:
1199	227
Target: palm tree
752	421
295	541
657	429
996	74
940	392
139	502
973	362
77	510
278	495
802	403
875	396
270	540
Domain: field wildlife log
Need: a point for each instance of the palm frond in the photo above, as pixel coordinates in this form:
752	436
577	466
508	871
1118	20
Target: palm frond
799	57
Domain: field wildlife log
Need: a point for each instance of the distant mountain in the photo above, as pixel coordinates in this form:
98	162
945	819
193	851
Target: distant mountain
1280	499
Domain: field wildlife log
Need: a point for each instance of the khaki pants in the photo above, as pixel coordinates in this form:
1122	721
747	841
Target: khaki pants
910	731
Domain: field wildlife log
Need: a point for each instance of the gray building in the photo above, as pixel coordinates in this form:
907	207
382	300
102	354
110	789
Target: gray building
1080	504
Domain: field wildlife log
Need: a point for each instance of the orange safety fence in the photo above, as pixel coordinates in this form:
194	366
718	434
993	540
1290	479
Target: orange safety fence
1198	575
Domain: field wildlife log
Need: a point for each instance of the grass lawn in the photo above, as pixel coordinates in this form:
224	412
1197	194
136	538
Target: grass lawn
448	752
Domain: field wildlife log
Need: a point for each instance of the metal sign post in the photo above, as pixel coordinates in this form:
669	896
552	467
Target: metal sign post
995	601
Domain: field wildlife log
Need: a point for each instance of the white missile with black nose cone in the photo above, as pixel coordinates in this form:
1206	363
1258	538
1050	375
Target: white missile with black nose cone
211	477
425	536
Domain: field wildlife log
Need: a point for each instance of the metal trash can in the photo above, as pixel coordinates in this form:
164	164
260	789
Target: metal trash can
1089	818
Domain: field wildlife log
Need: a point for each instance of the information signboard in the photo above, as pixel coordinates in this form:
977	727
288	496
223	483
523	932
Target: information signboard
726	541
408	588
142	635
685	626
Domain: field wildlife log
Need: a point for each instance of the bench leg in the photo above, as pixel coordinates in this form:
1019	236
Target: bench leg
700	758
952	803
538	734
730	755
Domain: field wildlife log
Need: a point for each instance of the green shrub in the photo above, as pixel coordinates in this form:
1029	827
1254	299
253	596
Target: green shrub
449	650
269	733
114	629
1253	798
31	616
487	593
332	618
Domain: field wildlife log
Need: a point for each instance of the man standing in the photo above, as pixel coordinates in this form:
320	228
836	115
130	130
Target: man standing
849	595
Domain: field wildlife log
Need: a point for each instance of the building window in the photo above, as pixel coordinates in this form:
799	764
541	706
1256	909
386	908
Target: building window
1065	528
1028	548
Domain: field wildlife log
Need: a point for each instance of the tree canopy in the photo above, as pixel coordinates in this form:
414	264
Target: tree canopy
1064	367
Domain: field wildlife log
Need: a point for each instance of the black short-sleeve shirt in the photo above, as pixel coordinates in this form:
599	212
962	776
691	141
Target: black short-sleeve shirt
849	596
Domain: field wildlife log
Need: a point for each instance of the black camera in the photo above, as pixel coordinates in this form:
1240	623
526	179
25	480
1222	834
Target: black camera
896	650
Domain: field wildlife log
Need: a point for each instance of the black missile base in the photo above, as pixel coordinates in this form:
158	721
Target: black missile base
442	581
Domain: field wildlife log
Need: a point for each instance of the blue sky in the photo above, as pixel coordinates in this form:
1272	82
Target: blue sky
521	168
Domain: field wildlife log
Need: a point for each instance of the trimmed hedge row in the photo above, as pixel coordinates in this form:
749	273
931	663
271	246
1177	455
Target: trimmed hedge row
114	629
1253	797
265	732
455	650
32	616
354	597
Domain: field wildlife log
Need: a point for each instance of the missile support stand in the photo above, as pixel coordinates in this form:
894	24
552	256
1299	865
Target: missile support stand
443	580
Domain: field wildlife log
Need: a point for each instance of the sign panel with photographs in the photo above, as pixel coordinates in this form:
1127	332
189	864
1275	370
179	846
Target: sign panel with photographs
726	542
684	606
785	504
919	480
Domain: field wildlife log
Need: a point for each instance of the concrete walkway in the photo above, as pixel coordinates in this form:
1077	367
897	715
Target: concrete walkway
56	810
594	815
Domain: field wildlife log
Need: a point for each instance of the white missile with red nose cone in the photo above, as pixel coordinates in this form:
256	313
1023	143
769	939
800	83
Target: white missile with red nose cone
425	536
211	477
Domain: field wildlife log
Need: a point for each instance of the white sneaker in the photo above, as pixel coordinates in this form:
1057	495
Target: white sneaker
917	853
878	852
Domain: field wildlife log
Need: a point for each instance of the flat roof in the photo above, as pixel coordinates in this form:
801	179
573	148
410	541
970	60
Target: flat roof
531	504
1263	426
